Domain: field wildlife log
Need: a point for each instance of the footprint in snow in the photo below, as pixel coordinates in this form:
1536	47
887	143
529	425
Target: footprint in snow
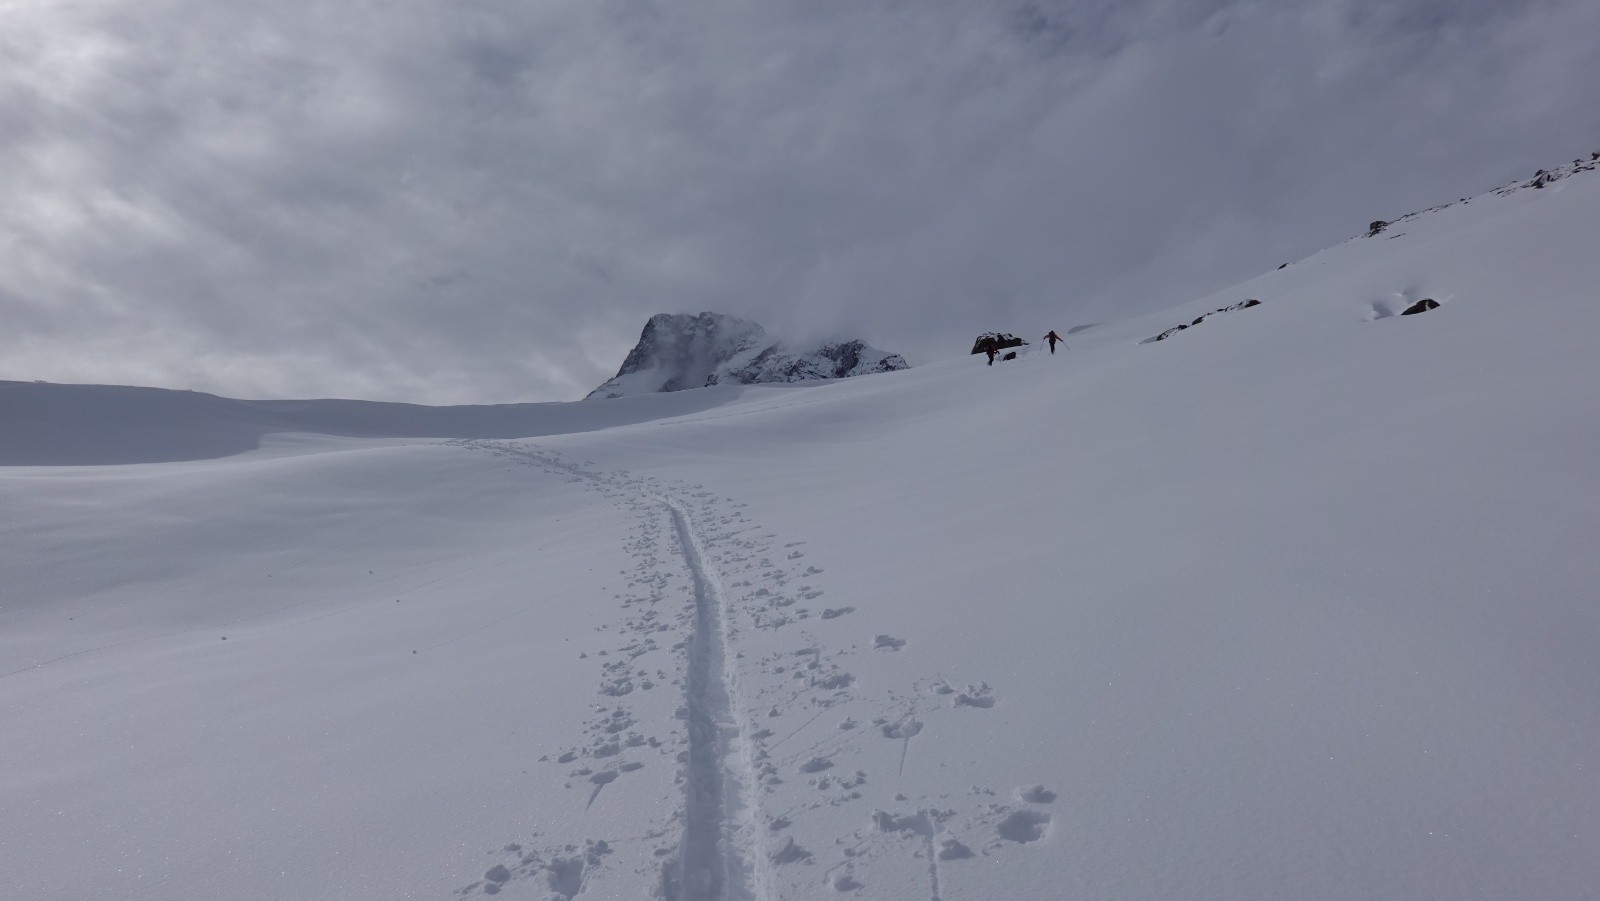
833	681
845	882
1024	826
790	853
905	728
565	874
979	696
918	823
1036	794
950	849
887	643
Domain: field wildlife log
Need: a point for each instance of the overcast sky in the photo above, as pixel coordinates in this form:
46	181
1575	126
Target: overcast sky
450	201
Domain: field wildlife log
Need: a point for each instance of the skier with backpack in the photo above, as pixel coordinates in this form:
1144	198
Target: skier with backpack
1052	338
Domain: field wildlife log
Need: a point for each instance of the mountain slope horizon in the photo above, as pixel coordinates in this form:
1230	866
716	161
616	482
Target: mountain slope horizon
1307	584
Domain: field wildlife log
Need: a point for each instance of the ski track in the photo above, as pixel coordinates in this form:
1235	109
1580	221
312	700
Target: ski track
719	844
933	856
716	862
721	854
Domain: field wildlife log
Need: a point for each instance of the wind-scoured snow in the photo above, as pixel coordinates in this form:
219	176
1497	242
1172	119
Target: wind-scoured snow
1295	602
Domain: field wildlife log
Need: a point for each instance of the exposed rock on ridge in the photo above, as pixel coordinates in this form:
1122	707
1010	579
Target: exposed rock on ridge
1242	305
679	351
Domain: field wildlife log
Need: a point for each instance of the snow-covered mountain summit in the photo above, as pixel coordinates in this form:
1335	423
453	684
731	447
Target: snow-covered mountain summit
679	351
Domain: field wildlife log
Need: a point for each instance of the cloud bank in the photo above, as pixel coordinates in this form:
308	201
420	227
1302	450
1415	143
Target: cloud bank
482	200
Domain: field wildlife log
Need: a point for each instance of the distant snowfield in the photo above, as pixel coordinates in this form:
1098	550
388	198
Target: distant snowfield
1298	602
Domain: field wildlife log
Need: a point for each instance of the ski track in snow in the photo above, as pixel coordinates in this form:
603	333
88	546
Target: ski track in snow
719	845
716	862
720	856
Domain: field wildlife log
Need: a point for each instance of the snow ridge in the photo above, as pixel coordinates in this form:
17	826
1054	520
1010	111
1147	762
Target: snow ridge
718	861
1538	182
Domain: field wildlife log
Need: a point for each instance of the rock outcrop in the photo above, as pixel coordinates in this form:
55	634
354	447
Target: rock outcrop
680	351
996	340
1242	305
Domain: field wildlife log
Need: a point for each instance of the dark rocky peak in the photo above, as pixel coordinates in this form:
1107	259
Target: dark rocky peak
680	351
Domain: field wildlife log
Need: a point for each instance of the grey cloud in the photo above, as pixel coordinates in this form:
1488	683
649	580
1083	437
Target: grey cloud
482	201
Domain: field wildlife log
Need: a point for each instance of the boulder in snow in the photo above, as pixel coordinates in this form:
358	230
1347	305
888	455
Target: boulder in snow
997	340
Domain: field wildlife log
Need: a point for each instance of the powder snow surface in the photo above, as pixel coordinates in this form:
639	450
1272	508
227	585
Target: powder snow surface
1299	602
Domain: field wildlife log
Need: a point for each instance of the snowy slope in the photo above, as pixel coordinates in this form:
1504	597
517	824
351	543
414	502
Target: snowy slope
1298	602
99	424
